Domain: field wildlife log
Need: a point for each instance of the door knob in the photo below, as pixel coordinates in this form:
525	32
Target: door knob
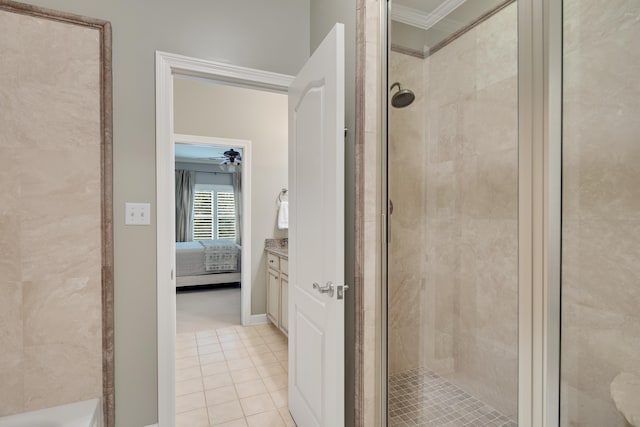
327	289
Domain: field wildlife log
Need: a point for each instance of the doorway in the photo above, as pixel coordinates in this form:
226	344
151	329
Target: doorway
213	232
168	67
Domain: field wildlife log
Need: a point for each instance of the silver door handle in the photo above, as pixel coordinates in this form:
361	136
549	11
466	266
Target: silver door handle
327	289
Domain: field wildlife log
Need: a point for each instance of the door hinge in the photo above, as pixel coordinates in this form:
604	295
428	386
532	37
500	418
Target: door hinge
340	290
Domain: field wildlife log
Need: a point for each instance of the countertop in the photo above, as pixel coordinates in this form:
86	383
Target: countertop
281	252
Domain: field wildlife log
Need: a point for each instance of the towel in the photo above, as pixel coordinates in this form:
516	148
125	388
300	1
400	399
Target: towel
283	215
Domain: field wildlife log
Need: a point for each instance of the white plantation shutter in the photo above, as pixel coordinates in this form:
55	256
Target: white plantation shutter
203	215
214	214
226	215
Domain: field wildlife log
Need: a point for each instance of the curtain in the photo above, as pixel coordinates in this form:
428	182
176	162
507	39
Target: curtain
185	186
237	191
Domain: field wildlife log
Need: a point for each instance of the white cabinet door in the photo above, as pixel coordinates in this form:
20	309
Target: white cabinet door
273	292
316	237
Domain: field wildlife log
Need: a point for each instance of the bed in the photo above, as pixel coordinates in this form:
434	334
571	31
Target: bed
207	262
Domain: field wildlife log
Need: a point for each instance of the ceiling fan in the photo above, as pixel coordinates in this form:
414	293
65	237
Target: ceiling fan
229	157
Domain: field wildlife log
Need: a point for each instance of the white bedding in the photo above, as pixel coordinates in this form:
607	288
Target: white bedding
207	257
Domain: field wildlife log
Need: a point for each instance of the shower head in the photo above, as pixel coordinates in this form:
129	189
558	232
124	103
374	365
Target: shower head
403	97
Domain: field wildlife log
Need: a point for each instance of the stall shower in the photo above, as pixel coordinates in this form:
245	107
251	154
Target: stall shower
452	291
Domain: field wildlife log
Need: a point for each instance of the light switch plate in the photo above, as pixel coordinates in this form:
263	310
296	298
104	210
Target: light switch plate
137	213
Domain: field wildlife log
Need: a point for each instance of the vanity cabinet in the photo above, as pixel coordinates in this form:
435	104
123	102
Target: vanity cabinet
278	291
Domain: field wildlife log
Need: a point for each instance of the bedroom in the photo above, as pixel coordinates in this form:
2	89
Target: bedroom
208	234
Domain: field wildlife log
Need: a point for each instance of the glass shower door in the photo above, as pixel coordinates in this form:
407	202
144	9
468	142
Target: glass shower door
452	182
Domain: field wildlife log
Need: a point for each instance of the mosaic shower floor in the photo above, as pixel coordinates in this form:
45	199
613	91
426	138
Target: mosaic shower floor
420	397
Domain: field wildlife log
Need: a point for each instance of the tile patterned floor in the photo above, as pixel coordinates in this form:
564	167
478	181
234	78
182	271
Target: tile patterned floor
233	376
419	397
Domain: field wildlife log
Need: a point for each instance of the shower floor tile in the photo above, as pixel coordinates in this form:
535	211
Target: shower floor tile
420	397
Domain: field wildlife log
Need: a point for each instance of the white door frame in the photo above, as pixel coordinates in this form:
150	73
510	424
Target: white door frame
167	66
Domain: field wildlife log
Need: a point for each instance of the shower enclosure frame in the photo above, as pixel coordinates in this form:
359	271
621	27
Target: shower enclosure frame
539	210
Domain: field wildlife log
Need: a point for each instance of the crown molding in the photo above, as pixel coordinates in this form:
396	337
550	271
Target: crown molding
419	19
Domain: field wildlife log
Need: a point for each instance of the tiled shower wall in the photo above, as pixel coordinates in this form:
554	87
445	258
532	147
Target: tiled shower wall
453	184
601	207
50	249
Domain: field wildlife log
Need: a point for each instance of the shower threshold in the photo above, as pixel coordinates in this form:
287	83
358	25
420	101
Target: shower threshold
420	397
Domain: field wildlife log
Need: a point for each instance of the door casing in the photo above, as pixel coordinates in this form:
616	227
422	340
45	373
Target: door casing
169	65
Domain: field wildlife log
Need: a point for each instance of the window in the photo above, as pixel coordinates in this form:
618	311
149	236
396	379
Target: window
214	212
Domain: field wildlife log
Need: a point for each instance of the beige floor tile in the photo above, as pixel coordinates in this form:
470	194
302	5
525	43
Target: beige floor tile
258	349
271	370
206	334
275	338
266	328
211	358
274	383
244	375
229	338
276	347
187	352
257	404
286	417
227	330
185	337
188	373
195	418
242	363
189	386
235	423
189	402
280	397
236	353
208	340
209	348
253	340
266	419
232	345
220	395
217	380
250	388
225	412
187	362
264	359
285	365
282	355
247	332
214	368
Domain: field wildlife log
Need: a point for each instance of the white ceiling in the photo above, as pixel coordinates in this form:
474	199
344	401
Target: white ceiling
201	153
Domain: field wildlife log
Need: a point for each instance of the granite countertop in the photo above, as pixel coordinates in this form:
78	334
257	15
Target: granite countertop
281	252
278	247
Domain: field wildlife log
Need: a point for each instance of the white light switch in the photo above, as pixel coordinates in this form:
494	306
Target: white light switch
137	213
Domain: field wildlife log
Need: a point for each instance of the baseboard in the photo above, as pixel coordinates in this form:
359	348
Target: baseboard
152	425
258	319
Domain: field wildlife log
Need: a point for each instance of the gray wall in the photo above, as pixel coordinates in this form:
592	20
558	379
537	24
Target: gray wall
324	15
266	34
207	173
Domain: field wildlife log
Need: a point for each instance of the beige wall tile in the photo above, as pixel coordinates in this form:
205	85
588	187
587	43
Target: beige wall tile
601	207
47	366
50	214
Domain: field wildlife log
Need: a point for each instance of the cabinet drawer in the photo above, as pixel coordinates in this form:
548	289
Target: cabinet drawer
284	266
273	261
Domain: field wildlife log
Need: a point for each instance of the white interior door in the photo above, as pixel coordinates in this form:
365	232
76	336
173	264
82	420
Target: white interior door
316	237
